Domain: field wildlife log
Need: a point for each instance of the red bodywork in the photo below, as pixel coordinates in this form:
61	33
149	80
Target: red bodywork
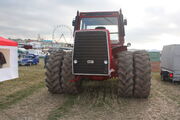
113	48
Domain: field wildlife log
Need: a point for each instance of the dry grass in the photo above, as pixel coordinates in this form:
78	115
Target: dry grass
168	88
30	79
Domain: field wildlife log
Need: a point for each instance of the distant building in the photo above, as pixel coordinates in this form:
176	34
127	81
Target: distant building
40	44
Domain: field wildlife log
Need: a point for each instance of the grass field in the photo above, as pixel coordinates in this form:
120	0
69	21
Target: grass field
30	80
27	98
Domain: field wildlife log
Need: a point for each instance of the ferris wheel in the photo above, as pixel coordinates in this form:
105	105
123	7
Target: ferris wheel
62	34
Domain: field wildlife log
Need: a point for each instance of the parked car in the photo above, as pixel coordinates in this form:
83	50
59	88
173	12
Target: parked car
170	63
29	60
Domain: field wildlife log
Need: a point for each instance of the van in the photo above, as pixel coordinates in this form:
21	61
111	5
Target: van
170	62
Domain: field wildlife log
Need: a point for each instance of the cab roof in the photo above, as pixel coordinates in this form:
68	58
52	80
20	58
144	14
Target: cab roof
98	14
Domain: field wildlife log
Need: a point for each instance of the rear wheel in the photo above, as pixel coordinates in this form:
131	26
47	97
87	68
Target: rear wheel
125	73
69	83
142	74
53	72
164	76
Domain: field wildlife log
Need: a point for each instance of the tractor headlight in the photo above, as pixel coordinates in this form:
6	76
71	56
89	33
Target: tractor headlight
75	61
105	62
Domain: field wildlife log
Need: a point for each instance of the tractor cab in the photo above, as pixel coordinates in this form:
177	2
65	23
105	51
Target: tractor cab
111	21
97	36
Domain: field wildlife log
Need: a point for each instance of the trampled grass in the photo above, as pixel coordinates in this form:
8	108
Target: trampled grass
100	99
168	88
64	109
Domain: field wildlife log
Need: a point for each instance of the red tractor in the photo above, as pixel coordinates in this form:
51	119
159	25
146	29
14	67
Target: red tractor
99	53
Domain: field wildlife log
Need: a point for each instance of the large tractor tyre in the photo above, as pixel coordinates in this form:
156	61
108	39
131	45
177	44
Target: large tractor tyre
125	74
69	84
142	74
53	72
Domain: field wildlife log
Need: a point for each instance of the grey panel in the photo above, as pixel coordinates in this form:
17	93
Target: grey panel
170	57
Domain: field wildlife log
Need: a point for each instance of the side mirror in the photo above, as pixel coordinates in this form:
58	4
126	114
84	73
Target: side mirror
73	22
128	44
125	21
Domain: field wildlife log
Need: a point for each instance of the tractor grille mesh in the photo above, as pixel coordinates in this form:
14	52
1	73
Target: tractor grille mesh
90	45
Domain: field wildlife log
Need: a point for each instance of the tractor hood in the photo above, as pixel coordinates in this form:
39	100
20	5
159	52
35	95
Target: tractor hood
91	52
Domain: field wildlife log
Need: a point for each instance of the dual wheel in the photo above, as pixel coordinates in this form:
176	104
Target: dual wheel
59	74
133	69
134	74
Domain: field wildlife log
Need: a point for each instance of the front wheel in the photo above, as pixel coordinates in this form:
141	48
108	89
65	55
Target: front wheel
69	84
53	72
125	74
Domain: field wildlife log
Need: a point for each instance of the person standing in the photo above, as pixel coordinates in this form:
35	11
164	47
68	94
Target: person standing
46	59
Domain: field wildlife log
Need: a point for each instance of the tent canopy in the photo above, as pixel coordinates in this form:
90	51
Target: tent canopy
6	42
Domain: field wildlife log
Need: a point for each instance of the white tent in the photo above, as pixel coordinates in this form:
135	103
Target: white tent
8	59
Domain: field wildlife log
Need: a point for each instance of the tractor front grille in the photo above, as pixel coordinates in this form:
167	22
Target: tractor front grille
90	53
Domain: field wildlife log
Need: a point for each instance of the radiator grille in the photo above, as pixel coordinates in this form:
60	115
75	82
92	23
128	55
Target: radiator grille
90	45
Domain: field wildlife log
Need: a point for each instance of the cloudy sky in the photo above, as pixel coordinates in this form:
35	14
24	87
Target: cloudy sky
151	23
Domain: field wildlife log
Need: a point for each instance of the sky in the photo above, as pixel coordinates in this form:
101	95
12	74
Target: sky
151	23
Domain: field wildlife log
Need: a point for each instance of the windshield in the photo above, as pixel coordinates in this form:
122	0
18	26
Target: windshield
29	57
110	23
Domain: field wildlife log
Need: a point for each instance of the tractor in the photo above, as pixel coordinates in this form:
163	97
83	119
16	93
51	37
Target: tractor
99	54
